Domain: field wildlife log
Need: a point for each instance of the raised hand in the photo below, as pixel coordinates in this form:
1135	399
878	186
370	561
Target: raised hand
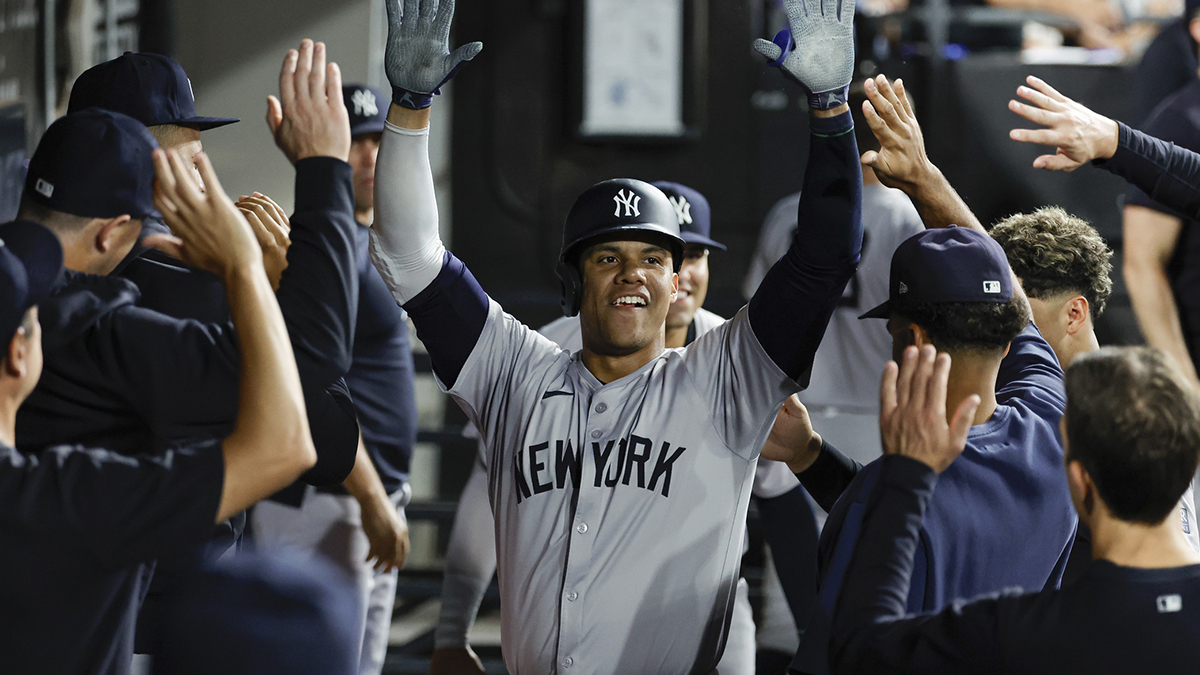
418	59
1078	134
818	52
901	161
271	227
309	118
912	410
792	439
208	230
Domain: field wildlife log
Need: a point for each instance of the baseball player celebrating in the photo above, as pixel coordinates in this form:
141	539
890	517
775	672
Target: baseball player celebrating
619	476
789	524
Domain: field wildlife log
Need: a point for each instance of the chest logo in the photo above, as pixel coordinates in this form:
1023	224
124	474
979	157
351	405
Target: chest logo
632	462
630	200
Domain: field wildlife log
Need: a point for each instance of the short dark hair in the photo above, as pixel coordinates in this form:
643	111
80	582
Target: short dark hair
1054	252
56	221
170	135
1133	422
978	327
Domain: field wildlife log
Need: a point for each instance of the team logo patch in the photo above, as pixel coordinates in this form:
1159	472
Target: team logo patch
1168	604
43	188
903	289
364	103
991	287
683	209
630	200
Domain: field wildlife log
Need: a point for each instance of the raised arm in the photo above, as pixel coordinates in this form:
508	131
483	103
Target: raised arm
445	302
270	445
790	311
1169	174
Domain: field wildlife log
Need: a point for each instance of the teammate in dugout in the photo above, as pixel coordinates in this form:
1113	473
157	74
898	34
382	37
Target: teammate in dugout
620	475
787	518
77	523
1131	435
999	517
124	376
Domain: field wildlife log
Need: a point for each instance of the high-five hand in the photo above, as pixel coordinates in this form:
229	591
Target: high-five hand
901	161
418	59
209	231
309	118
271	227
912	410
818	52
1078	134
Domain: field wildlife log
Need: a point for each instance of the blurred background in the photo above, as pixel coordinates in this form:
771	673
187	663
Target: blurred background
521	132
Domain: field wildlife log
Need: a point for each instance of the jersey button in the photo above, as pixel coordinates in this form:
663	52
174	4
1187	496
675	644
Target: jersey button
572	596
601	407
567	662
596	433
581	528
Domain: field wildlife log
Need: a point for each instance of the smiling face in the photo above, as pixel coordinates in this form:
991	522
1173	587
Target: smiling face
693	287
628	289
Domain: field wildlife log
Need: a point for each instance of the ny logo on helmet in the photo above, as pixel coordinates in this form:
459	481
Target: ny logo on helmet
630	201
364	103
683	209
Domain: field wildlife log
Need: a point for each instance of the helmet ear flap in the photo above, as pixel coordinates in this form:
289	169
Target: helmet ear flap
572	287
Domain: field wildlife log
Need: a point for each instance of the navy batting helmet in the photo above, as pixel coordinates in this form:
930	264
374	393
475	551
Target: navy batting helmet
611	208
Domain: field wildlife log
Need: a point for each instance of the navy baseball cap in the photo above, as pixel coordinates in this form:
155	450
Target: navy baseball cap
31	259
695	217
258	614
150	88
366	113
943	265
94	164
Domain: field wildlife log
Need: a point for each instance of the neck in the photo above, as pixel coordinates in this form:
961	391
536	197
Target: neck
972	374
677	336
365	216
1073	345
1137	545
609	368
8	420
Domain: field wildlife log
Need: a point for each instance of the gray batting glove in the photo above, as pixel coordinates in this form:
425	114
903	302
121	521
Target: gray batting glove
418	59
819	51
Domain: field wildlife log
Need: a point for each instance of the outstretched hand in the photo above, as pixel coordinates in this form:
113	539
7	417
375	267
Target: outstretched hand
901	161
1078	134
309	119
208	230
912	410
418	59
792	439
819	51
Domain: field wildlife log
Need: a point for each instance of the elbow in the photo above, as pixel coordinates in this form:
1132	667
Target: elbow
303	454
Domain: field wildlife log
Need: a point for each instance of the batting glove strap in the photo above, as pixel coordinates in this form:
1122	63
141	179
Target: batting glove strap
411	99
828	100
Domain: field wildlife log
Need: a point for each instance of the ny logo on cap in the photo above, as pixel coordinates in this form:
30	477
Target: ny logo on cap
903	288
991	287
683	209
364	103
630	201
43	188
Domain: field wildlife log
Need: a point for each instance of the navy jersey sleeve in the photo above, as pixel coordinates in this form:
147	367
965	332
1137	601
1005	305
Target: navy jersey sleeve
1166	173
449	315
829	476
794	302
318	292
118	508
870	632
1030	371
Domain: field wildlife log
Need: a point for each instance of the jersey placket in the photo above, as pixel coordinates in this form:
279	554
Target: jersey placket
599	423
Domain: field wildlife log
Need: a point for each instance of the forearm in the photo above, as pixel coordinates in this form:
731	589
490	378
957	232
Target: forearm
405	244
470	563
828	476
270	445
363	482
1157	313
790	311
1169	174
938	203
318	292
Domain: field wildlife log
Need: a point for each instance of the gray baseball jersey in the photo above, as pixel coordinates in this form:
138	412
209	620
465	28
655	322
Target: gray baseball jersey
619	508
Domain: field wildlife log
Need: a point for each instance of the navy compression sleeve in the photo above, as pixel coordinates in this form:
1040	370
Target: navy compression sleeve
796	298
829	476
449	315
1168	173
790	529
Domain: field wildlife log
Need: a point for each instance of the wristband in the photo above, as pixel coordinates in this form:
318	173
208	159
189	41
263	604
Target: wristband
411	99
828	100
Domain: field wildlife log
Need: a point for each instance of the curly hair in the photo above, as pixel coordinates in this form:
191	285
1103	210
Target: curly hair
1054	252
977	327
